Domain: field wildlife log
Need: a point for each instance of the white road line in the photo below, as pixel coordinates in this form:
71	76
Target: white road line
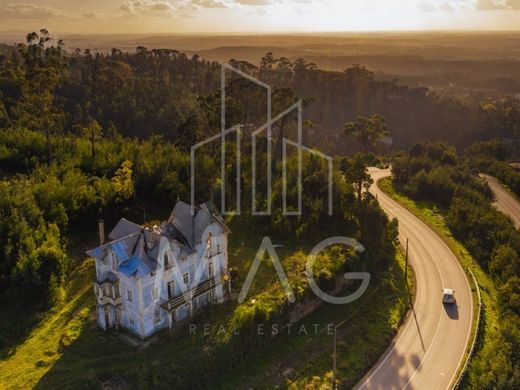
410	319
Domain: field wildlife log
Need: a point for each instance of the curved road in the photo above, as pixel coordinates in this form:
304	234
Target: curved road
505	201
430	345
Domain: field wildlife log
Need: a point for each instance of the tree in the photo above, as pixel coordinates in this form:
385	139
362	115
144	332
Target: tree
356	173
93	132
367	130
267	61
37	109
505	262
123	183
358	72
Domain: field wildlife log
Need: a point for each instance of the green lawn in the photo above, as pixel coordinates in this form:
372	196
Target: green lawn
67	350
435	218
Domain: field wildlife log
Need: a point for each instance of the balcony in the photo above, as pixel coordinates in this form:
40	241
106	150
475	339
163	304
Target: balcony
201	288
213	250
107	292
109	300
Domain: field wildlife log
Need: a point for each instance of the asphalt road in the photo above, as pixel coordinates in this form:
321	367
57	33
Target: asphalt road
430	345
505	201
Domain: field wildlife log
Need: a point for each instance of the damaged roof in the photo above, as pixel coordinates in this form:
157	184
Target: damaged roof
190	223
131	242
130	253
123	228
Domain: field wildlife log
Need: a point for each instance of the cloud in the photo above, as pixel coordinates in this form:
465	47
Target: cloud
487	5
254	2
513	4
426	6
490	5
209	3
92	16
446	7
29	11
137	8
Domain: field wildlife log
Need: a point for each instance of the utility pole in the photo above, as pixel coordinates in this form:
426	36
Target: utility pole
334	360
406	266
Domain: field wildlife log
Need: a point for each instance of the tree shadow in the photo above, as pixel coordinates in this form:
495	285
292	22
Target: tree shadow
16	323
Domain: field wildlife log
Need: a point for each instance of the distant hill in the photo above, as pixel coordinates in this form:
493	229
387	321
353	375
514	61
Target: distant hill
454	62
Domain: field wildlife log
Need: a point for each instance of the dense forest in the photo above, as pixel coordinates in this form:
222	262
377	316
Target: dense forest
165	92
87	136
434	172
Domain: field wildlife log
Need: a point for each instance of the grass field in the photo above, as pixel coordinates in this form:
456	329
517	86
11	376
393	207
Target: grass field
435	218
65	349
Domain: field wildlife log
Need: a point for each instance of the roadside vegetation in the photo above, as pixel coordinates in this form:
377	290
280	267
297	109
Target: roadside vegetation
493	157
439	180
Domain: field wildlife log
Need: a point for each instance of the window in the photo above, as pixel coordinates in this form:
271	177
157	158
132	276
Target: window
186	278
171	289
210	269
131	320
212	248
166	261
154	293
129	295
157	316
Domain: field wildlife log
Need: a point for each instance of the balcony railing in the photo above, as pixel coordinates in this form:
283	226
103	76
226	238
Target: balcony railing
200	289
213	250
112	297
109	300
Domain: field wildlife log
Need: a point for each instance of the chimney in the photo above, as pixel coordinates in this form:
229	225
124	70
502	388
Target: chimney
101	225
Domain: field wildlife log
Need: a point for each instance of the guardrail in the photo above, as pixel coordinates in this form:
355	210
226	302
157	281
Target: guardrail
475	337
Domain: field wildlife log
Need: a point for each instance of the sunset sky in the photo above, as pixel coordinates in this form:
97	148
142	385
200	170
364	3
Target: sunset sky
182	16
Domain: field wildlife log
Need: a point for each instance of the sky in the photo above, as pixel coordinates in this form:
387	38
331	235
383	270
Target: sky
207	16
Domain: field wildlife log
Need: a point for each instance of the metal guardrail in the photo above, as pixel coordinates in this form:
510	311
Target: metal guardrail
464	370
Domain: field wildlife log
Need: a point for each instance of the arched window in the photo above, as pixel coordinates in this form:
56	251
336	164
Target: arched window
166	261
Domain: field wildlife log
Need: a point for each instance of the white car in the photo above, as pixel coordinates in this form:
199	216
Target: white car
448	295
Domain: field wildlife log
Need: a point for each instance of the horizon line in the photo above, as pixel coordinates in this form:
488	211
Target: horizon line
263	32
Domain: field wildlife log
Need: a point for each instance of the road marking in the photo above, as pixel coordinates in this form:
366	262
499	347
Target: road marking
399	207
392	208
438	323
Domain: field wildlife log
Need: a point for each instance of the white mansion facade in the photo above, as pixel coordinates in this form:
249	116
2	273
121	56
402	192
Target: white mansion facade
149	278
